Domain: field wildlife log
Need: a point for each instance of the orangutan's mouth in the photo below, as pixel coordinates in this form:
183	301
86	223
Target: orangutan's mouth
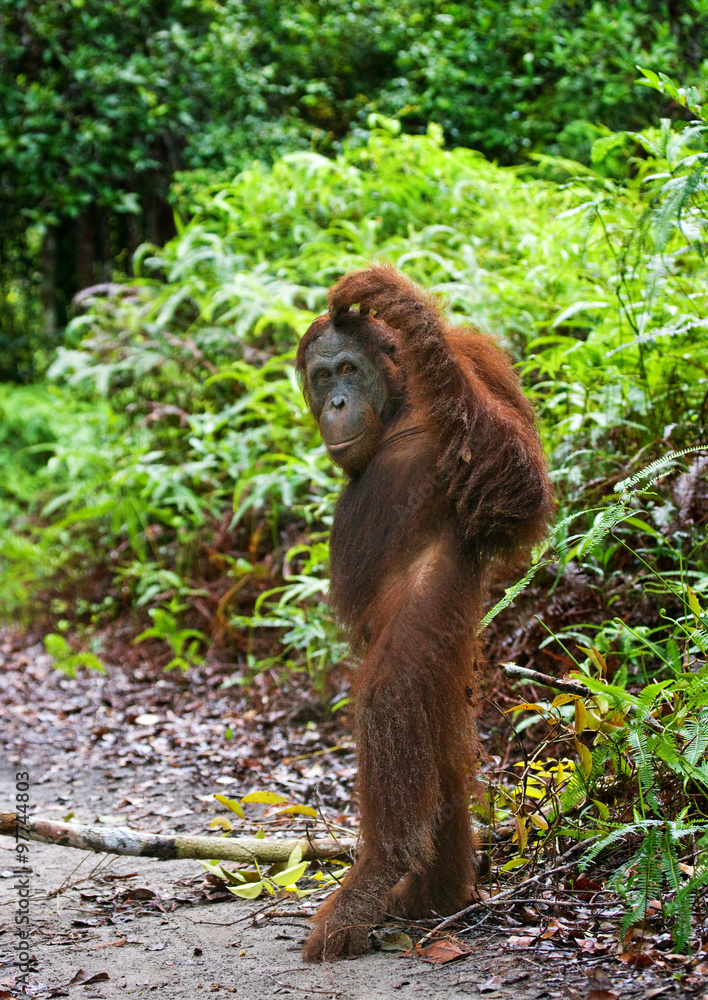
344	444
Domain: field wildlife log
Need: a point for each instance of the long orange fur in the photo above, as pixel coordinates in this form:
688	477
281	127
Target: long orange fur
458	479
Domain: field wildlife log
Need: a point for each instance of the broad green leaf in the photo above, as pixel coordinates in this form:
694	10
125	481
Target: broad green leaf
602	809
514	863
290	875
212	867
295	856
251	891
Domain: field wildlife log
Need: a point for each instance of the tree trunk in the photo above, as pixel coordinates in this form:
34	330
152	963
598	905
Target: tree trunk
47	287
85	249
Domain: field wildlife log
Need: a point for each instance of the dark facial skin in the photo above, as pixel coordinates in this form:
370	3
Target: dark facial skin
348	393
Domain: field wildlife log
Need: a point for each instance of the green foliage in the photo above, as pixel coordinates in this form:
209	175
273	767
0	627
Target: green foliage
186	401
102	102
648	758
251	883
184	642
66	660
515	77
169	468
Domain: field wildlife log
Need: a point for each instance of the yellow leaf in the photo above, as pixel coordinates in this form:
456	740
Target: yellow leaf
585	757
394	941
563	699
592	720
526	706
268	798
241	875
522	833
596	658
694	604
535	791
599	660
222	822
250	891
213	867
237	877
290	875
538	820
300	810
231	804
581	717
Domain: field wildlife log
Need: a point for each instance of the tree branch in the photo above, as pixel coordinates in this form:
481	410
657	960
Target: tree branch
136	843
536	677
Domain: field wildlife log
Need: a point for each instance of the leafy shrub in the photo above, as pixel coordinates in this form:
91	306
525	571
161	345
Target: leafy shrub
104	101
201	408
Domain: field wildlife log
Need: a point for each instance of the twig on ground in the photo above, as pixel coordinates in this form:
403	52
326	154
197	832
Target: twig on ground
136	843
507	894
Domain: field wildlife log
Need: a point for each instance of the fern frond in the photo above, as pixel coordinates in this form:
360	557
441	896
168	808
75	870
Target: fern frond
604	523
628	485
682	906
670	862
642	755
695	732
625	830
645	884
511	593
682	326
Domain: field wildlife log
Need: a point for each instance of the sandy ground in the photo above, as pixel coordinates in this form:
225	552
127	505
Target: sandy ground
108	927
176	944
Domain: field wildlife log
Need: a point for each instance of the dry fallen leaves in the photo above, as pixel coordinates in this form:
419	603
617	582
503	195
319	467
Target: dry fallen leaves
636	958
520	941
81	978
444	950
118	943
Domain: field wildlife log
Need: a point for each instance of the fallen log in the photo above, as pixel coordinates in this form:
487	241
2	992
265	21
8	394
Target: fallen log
136	843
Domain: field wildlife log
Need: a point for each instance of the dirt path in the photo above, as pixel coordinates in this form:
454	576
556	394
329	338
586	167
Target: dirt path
177	944
109	927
